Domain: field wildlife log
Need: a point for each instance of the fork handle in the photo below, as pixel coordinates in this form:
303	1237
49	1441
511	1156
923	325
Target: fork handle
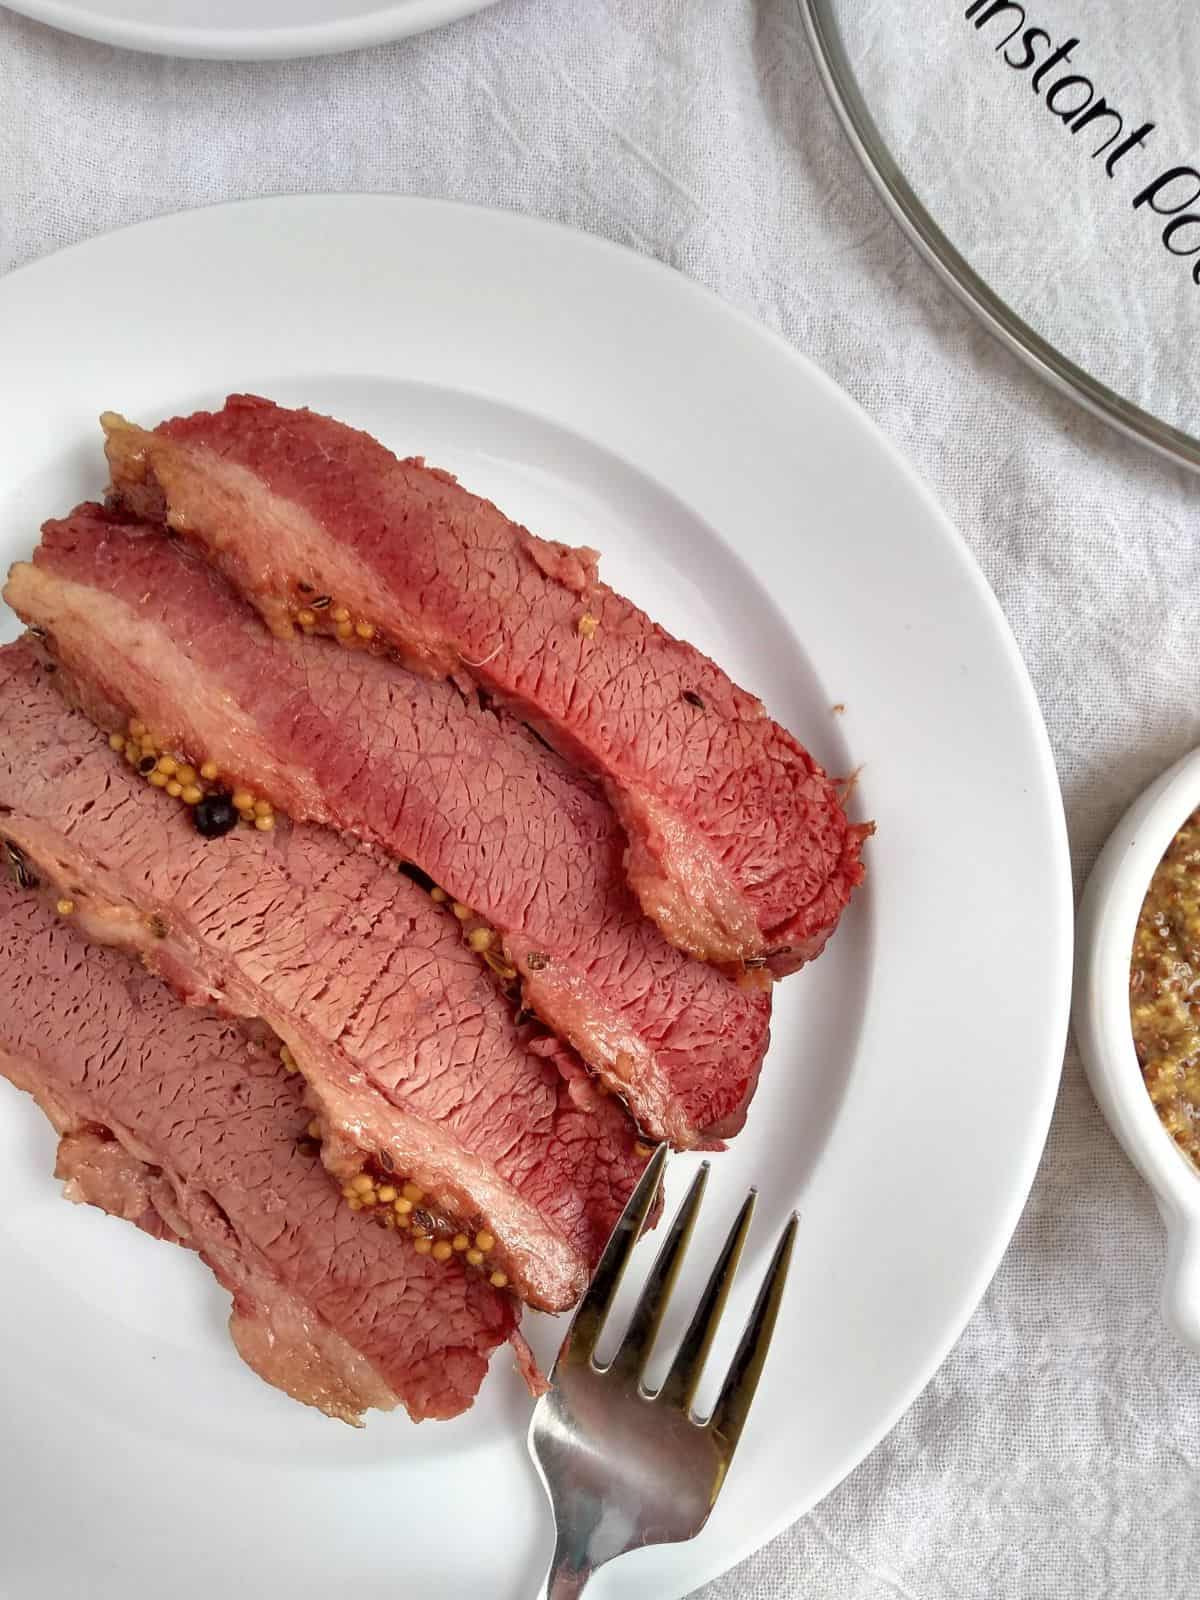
569	1572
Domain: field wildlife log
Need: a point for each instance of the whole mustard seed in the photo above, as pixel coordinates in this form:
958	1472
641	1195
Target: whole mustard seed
209	771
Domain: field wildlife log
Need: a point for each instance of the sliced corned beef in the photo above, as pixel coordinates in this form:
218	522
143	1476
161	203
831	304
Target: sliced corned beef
414	1062
738	843
186	1123
512	831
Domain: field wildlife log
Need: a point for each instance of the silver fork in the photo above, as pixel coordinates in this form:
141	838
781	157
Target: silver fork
625	1467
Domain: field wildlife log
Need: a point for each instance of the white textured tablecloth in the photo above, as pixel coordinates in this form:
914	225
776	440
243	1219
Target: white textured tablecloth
1056	1452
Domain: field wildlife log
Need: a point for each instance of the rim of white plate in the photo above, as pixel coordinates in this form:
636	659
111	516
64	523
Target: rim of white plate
378	25
1059	938
1108	918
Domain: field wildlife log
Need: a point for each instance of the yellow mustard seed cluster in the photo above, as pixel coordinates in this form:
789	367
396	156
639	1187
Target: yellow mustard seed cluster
181	780
398	1206
480	938
253	810
321	613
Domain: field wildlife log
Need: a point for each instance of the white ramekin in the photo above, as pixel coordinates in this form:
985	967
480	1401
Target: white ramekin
1108	915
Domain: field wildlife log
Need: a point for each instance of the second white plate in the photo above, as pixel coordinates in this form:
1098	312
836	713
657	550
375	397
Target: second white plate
752	508
245	30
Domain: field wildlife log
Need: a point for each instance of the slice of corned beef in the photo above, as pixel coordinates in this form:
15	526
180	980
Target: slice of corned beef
472	798
186	1123
415	1064
739	847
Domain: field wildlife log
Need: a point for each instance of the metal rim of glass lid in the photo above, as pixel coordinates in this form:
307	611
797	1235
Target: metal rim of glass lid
842	85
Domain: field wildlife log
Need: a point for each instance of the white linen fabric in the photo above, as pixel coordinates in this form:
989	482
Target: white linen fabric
1055	1453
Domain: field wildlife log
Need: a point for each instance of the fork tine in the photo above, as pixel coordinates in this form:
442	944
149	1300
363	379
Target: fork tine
588	1321
679	1387
737	1392
638	1343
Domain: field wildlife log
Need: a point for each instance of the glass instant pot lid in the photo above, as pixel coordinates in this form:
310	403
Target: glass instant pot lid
1046	157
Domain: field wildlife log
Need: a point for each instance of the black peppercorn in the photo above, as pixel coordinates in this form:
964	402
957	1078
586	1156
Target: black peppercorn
214	815
147	765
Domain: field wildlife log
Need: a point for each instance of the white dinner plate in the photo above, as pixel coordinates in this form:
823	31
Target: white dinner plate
246	30
751	507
